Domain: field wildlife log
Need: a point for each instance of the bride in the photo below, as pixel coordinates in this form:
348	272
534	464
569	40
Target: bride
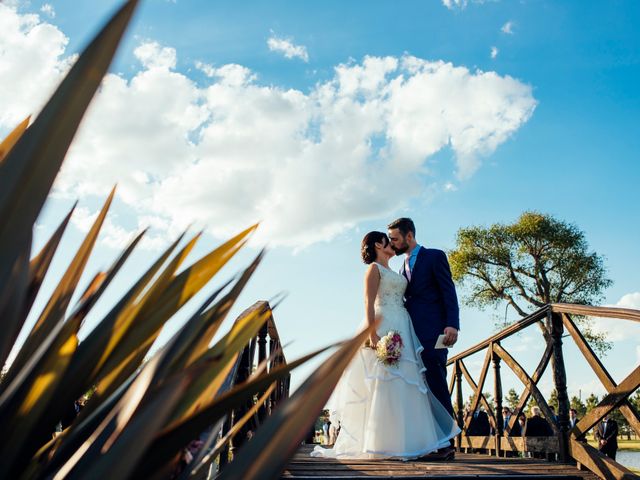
386	411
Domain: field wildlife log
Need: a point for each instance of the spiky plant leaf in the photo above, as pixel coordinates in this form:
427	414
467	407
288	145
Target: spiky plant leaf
29	169
25	403
11	139
56	307
39	265
173	438
161	302
280	436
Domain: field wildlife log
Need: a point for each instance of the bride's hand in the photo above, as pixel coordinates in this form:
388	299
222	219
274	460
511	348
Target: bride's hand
374	338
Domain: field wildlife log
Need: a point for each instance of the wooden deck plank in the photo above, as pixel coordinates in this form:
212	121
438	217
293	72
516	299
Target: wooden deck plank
302	466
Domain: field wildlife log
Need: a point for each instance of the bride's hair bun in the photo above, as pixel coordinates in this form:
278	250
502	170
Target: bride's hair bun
368	247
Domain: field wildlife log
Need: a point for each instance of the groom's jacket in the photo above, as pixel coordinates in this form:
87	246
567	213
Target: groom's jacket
431	296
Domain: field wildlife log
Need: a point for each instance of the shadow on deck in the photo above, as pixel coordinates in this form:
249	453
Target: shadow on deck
465	466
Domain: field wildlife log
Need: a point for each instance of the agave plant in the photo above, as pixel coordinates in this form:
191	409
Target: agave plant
145	408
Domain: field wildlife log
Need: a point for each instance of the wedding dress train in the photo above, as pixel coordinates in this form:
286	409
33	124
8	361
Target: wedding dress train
388	411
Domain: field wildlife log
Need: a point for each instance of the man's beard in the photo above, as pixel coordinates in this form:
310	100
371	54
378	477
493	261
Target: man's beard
400	250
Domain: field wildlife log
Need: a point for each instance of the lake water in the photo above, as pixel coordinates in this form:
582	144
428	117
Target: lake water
628	459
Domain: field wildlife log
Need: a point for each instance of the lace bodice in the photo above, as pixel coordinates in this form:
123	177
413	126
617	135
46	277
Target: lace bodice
391	289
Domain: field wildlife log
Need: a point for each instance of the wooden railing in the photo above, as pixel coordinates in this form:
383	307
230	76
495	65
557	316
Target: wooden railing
566	444
262	351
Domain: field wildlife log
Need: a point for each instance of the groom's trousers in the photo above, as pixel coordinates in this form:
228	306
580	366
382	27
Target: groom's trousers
436	363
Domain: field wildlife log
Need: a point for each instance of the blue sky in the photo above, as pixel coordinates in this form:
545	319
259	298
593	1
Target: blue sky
561	99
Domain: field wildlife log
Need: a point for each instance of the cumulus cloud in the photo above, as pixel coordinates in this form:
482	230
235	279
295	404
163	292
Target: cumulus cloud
288	48
494	52
619	330
47	9
460	4
508	28
32	55
231	151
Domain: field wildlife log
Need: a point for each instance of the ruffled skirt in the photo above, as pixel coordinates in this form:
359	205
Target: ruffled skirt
385	411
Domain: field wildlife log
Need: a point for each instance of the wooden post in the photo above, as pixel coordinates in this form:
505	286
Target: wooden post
262	356
459	402
228	448
497	395
554	321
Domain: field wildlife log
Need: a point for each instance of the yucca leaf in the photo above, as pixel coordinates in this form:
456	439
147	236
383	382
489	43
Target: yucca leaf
11	139
70	388
237	426
160	305
12	297
175	437
193	339
278	439
125	431
29	169
39	265
24	411
94	347
56	307
219	359
120	358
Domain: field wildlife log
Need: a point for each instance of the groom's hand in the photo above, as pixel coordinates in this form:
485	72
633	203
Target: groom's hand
450	336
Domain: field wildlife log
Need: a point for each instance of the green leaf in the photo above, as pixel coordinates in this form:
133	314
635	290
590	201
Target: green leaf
278	439
173	438
11	139
29	169
56	307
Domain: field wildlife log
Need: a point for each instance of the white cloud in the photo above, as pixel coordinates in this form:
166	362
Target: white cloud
617	330
33	62
451	4
230	74
47	9
508	28
288	48
153	56
231	151
494	52
461	4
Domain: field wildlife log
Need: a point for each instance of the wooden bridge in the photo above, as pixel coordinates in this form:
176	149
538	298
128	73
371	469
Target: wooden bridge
565	454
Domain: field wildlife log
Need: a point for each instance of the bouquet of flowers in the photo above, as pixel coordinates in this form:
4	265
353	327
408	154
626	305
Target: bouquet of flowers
389	349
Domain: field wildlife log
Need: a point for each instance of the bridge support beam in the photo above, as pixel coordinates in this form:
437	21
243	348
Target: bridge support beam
497	395
554	324
459	402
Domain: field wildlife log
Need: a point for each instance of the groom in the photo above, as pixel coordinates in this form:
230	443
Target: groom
432	303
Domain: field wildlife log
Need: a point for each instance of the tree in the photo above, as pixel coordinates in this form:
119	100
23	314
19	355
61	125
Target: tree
591	402
512	399
535	261
553	400
579	406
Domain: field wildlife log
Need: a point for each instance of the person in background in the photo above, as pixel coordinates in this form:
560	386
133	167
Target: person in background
516	431
537	426
325	431
607	436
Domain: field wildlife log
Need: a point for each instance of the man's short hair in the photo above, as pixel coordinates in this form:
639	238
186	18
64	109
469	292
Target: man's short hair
535	411
404	225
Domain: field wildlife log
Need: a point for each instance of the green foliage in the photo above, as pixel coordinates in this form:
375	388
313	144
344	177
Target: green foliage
532	262
579	406
512	399
591	402
553	400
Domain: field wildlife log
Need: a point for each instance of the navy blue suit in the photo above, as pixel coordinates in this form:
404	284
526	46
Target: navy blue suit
432	303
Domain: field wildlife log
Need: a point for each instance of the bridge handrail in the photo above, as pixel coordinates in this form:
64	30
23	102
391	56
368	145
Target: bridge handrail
568	443
226	435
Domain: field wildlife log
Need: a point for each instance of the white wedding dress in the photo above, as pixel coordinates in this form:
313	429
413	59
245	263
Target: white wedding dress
385	411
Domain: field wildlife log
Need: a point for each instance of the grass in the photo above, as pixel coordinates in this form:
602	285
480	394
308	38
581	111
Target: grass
623	444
